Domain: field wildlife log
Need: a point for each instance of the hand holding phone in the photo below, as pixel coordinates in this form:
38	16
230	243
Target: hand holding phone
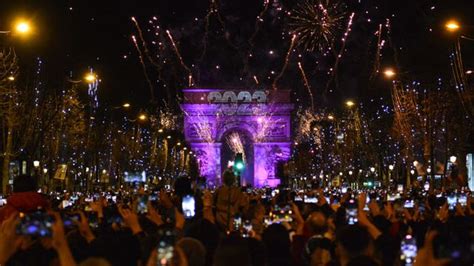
36	224
165	248
351	212
408	250
142	205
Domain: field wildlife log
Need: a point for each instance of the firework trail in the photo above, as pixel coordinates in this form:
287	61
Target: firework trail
235	143
256	79
285	65
258	21
379	48
178	54
145	47
341	51
140	56
306	84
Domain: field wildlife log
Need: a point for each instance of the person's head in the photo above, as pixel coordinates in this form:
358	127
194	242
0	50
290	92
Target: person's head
363	261
232	251
228	178
24	183
183	186
92	261
277	243
318	250
317	223
194	251
353	241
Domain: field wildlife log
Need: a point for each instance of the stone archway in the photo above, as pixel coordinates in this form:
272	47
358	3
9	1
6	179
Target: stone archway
264	116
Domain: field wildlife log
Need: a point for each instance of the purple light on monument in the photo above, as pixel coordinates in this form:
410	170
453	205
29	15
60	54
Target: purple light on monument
262	115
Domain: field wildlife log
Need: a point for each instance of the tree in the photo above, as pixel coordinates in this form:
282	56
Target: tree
8	107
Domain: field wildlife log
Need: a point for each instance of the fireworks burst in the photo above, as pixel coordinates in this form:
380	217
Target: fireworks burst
316	23
235	143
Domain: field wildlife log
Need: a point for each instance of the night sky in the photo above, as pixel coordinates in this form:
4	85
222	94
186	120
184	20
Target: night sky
74	34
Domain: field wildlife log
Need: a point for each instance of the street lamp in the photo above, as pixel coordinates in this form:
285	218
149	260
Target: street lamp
389	73
390	167
90	77
11	78
452	25
372	169
330	117
349	103
36	164
22	27
142	117
126	105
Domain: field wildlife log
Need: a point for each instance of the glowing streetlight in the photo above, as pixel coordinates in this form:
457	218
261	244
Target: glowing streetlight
415	163
126	105
350	172
179	143
23	27
372	169
389	73
350	103
36	164
160	130
45	170
142	117
412	172
452	25
390	167
330	117
90	78
11	78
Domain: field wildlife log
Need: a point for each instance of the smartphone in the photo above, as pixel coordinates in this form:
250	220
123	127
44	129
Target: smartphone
351	212
142	205
246	228
237	225
409	204
188	205
310	199
298	198
366	206
462	199
165	248
70	219
282	214
408	250
3	202
399	188
93	219
421	207
36	224
451	201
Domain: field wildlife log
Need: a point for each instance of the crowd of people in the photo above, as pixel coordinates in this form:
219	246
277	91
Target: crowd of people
234	225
